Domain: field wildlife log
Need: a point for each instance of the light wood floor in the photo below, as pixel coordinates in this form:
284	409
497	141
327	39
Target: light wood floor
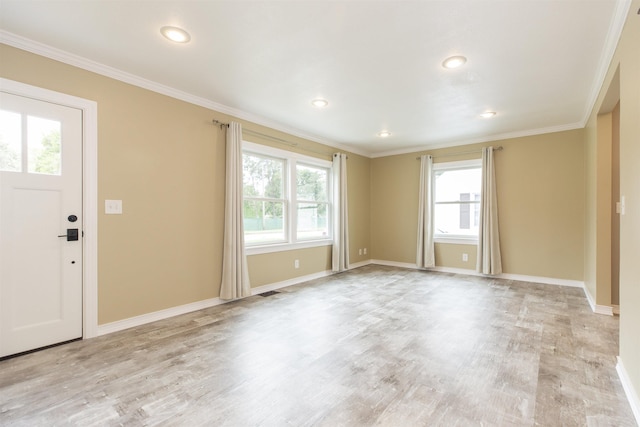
374	346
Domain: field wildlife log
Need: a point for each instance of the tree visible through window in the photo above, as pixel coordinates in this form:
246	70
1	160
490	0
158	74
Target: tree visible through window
312	202
47	157
286	196
264	201
44	144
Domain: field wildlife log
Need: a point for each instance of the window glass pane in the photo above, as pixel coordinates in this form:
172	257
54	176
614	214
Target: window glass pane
262	176
263	222
312	221
311	183
459	219
457	196
452	185
10	141
44	145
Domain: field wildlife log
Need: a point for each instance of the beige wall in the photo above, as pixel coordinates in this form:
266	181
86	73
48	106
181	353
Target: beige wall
540	203
165	160
627	61
590	179
615	197
265	269
603	208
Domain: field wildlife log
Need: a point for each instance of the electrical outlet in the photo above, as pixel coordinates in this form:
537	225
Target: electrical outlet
359	251
365	251
296	263
465	257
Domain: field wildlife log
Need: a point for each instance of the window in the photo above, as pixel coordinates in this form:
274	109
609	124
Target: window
264	201
287	199
457	188
312	202
42	152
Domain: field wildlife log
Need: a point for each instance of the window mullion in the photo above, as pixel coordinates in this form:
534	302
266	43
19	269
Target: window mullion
315	216
293	205
461	202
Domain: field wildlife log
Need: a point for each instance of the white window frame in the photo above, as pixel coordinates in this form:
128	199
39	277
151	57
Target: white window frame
291	159
448	166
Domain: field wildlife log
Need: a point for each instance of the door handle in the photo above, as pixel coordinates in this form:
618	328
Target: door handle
72	234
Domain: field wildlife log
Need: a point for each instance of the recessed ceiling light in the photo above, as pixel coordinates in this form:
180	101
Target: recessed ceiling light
454	62
384	134
319	102
175	34
488	114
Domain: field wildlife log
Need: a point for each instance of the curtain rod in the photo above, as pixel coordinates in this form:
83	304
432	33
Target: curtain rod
499	148
273	138
219	123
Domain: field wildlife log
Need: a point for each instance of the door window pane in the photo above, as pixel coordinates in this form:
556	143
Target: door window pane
44	146
10	141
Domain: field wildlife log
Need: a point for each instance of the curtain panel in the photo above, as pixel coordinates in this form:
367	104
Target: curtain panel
340	252
489	259
235	276
425	257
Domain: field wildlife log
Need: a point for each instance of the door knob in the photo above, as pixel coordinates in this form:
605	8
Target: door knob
72	234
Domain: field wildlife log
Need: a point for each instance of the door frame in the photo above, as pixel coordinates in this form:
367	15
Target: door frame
89	191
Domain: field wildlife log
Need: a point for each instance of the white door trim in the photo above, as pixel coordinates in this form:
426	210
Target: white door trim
89	191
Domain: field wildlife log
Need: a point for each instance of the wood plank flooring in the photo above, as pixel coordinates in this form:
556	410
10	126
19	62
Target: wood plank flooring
374	346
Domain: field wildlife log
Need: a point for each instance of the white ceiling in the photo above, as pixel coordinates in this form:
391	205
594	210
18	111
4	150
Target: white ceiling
537	63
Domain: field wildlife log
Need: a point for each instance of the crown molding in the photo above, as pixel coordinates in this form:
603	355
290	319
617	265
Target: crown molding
489	138
613	36
65	57
610	45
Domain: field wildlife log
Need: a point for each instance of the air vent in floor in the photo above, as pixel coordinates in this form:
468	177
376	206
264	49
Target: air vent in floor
268	293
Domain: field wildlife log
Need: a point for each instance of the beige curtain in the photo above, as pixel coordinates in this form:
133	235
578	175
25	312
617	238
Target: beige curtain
489	259
235	275
425	257
340	253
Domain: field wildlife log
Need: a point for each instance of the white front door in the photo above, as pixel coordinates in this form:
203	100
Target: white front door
40	207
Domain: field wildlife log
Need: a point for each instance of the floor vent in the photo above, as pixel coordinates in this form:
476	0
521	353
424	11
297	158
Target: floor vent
268	293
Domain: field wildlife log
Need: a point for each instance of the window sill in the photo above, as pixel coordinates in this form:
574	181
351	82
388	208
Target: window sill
457	240
281	247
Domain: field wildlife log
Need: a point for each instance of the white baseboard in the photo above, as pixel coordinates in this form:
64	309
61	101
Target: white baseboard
607	310
290	282
359	264
199	305
592	301
132	322
632	396
394	264
508	276
543	280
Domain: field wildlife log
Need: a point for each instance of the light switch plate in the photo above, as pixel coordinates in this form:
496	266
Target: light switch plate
113	207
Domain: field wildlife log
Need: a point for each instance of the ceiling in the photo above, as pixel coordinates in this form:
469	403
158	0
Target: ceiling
537	63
